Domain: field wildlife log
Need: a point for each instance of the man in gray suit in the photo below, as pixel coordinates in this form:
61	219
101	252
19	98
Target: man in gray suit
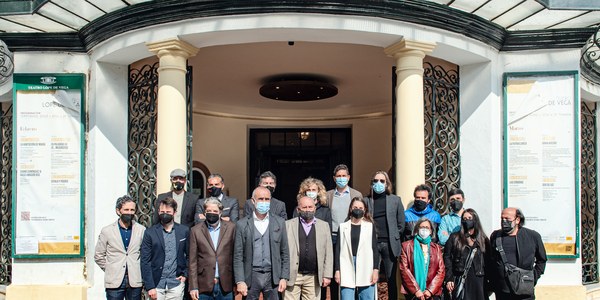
261	261
215	187
186	201
268	180
311	253
118	253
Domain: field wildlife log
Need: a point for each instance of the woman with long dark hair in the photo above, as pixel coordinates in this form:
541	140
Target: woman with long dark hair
356	254
465	257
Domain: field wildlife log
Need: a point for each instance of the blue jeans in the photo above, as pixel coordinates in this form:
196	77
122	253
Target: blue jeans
124	291
364	293
217	294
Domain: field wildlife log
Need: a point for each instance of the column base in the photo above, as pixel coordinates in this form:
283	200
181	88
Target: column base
46	292
550	292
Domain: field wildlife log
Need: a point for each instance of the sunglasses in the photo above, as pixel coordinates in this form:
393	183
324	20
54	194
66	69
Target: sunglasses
379	180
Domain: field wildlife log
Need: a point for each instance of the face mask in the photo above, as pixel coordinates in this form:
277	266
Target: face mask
178	186
341	182
456	205
358	213
271	189
424	233
214	191
468	224
263	207
419	205
312	194
165	218
126	218
378	187
307	215
212	218
507	226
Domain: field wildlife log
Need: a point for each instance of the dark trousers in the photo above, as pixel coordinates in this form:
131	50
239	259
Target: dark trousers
124	291
509	296
262	282
388	263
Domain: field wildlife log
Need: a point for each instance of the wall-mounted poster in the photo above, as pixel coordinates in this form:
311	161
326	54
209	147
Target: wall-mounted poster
48	151
541	155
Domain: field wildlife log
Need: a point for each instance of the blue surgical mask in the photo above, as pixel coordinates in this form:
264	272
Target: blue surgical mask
341	182
263	207
378	187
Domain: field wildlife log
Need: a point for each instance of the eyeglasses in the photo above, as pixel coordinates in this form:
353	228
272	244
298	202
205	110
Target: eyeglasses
378	180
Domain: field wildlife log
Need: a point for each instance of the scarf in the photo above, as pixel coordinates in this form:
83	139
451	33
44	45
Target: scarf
421	267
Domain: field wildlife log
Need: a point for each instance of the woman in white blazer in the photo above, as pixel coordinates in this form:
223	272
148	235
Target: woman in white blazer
356	252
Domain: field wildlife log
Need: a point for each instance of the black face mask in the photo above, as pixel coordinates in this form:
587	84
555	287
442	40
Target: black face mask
507	226
212	218
126	218
419	205
468	224
214	191
165	218
358	213
271	189
456	205
177	186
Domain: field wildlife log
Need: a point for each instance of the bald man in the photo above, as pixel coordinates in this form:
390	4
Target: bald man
522	247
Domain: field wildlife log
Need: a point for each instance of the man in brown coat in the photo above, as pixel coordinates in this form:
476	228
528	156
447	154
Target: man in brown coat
211	255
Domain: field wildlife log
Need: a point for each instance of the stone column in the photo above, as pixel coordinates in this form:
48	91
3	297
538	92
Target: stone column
410	132
171	134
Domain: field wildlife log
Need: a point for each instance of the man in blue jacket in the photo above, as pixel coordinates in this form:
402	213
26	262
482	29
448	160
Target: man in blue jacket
164	255
421	208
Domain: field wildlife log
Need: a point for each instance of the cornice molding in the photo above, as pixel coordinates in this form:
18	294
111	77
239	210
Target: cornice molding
412	11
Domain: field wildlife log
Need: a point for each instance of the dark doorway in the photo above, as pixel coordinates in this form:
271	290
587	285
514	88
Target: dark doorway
294	154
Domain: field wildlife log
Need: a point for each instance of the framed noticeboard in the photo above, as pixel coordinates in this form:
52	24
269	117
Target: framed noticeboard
541	155
48	165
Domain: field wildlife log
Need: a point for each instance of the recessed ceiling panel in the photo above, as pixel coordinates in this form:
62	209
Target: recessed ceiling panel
589	19
39	22
467	5
493	9
518	13
546	19
9	26
60	15
108	5
81	8
441	1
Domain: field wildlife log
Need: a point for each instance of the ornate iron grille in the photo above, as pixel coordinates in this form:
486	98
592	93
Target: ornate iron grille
589	194
590	56
143	95
5	194
442	156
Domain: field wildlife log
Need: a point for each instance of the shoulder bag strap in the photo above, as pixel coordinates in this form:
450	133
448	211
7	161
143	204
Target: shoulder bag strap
501	251
469	262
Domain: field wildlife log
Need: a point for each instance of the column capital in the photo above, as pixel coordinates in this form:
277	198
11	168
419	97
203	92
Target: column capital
404	46
172	46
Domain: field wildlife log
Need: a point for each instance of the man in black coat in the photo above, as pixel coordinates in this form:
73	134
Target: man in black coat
523	248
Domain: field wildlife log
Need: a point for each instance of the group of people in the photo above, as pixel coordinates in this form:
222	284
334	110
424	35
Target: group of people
337	244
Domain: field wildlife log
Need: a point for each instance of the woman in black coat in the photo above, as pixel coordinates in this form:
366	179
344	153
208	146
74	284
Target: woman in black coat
470	240
315	189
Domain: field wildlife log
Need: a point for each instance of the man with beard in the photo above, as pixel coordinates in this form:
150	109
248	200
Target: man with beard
311	253
186	201
421	208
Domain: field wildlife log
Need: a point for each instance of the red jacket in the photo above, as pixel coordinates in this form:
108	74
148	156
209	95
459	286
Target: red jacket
435	274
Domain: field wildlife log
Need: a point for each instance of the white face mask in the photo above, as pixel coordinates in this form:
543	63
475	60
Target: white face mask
311	194
424	233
